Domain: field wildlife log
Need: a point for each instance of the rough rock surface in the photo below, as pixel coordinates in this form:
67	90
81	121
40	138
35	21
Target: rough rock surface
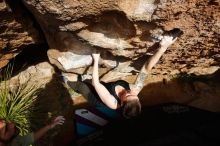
199	47
16	31
38	74
124	32
75	29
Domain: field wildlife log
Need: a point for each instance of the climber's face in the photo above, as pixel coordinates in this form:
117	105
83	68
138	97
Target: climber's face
128	96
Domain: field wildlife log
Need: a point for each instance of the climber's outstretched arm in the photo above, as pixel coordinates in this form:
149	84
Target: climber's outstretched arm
146	68
103	93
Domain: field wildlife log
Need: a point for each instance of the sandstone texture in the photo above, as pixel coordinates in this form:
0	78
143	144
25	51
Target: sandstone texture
199	48
17	30
125	32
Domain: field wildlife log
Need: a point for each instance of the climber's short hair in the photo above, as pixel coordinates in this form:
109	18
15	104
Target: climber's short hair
131	108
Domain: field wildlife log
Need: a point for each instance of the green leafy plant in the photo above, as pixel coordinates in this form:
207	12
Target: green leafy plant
17	105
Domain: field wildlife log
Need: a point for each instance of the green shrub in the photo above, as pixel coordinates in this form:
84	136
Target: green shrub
17	105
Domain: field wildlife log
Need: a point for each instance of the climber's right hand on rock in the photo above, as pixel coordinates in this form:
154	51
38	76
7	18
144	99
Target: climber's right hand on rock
170	37
167	41
96	56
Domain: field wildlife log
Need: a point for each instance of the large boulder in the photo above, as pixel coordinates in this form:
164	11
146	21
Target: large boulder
76	29
123	31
